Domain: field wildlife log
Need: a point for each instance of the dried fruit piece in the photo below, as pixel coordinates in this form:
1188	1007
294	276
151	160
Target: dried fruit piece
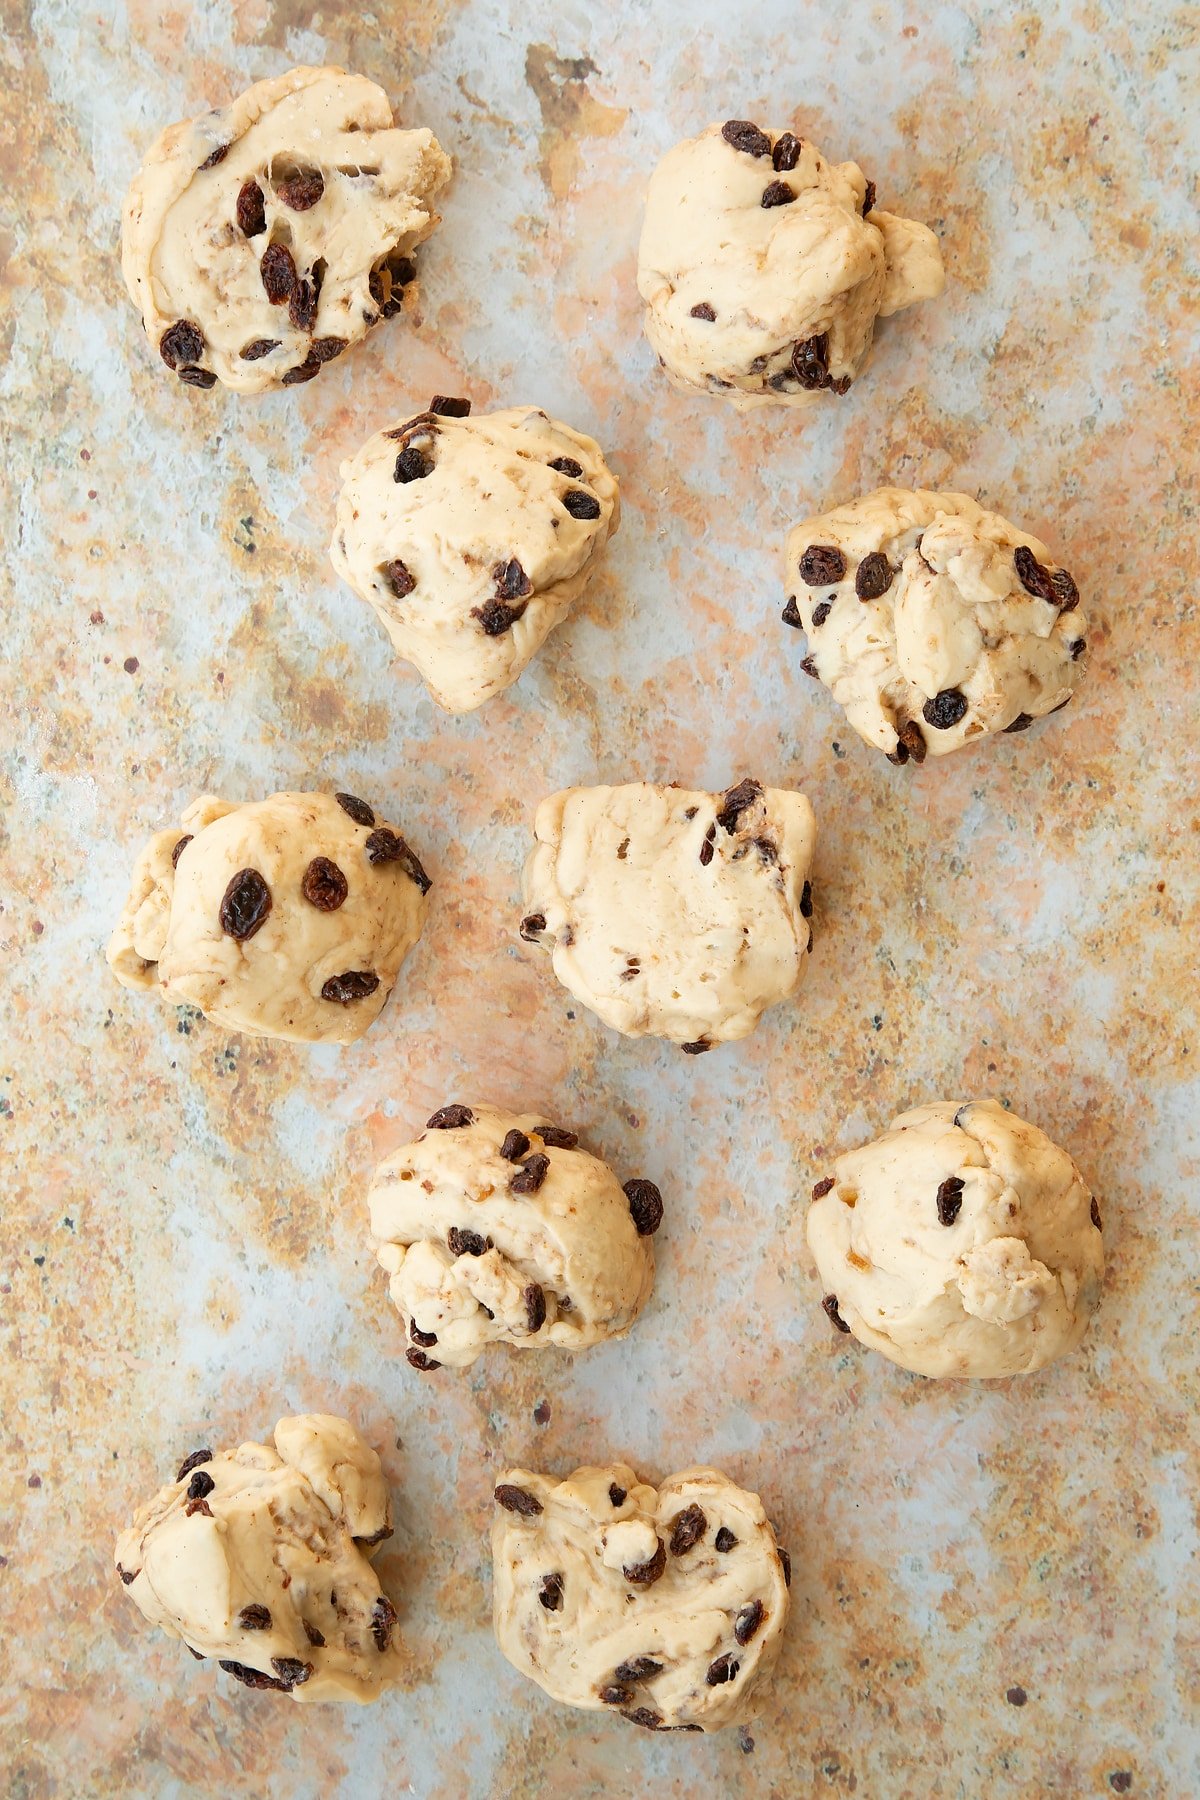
703	311
581	505
254	1678
550	1594
351	984
303	191
821	612
613	1694
302	309
616	1494
1065	591
823	1187
399	578
245	905
260	347
687	1528
724	1669
385	846
736	801
696	1049
749	1621
535	1305
745	136
418	1360
515	1146
868	198
786	153
517	1500
181	343
1035	579
874	576
647	1573
214	157
254	1618
777	193
426	1339
358	810
1022	722
806	904
193	1461
324	349
531	926
949	1200
412	465
638	1668
822	565
305	371
555	1138
466	1243
446	407
450	1118
278	273
497	617
383	1618
179	849
530	1176
251	213
512	583
645	1206
810	363
791	614
1095	1214
566	465
324	886
201	1485
724	1540
945	710
830	1304
912	738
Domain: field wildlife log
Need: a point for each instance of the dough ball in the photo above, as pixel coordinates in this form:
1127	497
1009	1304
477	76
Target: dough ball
764	267
676	914
932	622
961	1242
286	918
665	1605
262	239
495	1227
472	539
261	1559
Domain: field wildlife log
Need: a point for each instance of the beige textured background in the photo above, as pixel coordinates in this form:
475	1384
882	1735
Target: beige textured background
184	1253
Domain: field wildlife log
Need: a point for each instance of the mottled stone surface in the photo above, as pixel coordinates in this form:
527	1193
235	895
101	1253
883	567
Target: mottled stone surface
994	1591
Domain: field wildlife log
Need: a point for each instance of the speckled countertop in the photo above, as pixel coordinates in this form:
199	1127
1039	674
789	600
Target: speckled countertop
995	1585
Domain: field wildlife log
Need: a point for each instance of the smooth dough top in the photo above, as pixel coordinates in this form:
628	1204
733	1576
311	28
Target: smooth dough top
932	622
259	1557
472	538
261	239
962	1242
676	913
287	917
666	1605
495	1227
761	275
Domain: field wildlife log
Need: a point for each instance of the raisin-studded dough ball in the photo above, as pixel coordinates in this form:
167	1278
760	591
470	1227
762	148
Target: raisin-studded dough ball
286	918
260	1558
666	1606
472	539
764	267
677	914
262	239
932	622
962	1242
495	1227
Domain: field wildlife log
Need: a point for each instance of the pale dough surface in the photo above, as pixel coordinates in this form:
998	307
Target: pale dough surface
996	1273
187	258
685	1644
490	497
958	646
259	1557
306	972
811	271
673	913
469	1223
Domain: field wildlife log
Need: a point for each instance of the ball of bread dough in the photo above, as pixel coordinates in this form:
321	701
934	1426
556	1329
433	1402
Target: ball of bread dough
495	1227
764	267
472	538
260	240
286	918
679	914
261	1559
932	622
666	1606
962	1242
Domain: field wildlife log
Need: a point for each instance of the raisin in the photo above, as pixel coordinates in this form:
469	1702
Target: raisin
419	1360
868	198
724	1540
530	1176
1016	1696
385	846
786	153
179	849
638	1668
581	505
515	1146
412	465
913	740
724	1669
517	1500
809	665
1077	649
874	576
703	311
181	343
1065	591
1033	577
302	192
616	1494
193	1462
291	1671
450	1118
466	1243
259	348
351	984
687	1528
830	1305
200	1486
791	613
535	1306
313	1635
1096	1215
215	156
245	905
645	1206
198	1654
448	408
899	755
949	1200
128	1576
566	465
302	307
551	1592
426	1339
745	136
785	1563
777	193
945	709
736	801
613	1694
254	1618
531	925
647	1573
823	1187
748	1621
696	1049
810	362
398	577
821	565
821	612
197	378
497	617
706	848
556	1138
644	1715
251	214
253	1678
278	273
359	811
512	583
383	1617
1022	722
324	886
